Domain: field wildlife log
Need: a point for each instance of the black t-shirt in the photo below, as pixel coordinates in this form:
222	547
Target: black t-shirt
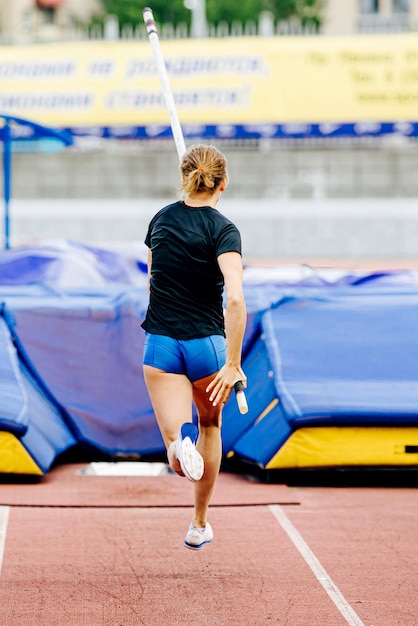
186	283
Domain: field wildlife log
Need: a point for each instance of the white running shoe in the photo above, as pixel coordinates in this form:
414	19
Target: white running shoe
190	459
196	538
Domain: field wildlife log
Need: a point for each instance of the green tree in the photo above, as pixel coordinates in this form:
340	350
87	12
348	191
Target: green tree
129	12
310	11
233	10
244	10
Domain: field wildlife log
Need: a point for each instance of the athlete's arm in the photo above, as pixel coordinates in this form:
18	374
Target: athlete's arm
149	268
235	320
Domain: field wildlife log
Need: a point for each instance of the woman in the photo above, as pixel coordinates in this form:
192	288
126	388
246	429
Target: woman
192	350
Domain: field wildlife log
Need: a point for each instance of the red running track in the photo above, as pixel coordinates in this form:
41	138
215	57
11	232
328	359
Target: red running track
334	556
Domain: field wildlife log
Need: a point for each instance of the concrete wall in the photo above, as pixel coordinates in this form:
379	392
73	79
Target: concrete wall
271	229
135	170
289	202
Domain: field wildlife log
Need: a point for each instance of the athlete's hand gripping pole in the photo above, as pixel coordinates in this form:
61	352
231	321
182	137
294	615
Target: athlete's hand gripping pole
177	133
240	396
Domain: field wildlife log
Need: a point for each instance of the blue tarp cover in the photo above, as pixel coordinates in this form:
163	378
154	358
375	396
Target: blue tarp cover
334	347
346	358
87	346
27	409
13	404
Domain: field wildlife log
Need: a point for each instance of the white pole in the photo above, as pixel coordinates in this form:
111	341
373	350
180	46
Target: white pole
199	26
162	71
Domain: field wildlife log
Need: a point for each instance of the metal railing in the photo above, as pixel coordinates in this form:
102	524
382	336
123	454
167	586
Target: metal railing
264	26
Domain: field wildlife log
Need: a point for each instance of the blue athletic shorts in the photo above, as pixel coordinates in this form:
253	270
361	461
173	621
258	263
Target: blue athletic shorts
195	358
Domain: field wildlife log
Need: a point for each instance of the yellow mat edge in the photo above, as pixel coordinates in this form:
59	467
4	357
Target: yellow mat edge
14	458
347	446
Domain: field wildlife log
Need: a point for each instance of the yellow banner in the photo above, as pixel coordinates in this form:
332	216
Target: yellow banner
234	81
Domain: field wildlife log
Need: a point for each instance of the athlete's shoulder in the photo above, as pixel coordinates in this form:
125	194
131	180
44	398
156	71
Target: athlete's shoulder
173	206
167	211
221	220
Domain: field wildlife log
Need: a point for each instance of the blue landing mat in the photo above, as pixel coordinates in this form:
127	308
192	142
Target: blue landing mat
329	360
27	409
87	347
321	347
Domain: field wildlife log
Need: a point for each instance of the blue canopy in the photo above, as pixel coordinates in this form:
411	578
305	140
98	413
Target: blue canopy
18	129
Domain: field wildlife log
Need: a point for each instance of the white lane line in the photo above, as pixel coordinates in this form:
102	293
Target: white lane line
4	519
321	575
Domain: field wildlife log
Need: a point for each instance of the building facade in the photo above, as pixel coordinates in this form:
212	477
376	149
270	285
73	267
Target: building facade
25	21
349	17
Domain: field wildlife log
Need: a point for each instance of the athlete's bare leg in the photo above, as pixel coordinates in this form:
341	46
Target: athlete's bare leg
210	447
171	398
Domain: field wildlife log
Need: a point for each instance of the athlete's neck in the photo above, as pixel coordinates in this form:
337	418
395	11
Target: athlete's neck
203	199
